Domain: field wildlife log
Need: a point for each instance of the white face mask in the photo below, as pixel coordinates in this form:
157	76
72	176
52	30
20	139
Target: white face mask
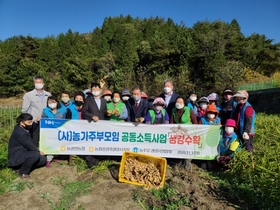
136	98
179	106
158	108
52	105
193	98
65	99
229	130
125	98
107	98
39	86
96	93
211	116
116	100
203	106
167	89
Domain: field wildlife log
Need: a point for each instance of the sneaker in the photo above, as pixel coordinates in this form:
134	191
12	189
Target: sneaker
24	176
48	164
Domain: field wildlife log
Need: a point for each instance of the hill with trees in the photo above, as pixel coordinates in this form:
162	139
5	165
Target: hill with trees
128	51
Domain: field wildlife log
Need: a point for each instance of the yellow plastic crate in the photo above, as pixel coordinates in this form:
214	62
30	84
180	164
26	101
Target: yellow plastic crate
159	162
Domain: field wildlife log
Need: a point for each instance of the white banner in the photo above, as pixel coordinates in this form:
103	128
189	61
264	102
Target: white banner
104	138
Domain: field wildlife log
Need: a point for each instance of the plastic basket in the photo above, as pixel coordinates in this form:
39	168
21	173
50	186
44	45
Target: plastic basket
159	162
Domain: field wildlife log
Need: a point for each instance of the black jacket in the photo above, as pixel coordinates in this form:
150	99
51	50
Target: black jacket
20	142
90	109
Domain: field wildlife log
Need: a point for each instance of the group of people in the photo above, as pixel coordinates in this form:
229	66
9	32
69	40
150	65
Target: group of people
234	112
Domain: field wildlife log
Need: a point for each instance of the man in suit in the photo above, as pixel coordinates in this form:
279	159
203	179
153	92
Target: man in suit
94	109
169	96
137	107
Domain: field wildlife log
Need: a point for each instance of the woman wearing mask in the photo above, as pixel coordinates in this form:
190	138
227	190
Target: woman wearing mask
191	102
107	95
211	117
125	95
157	115
22	154
117	110
202	106
182	114
53	111
75	111
66	102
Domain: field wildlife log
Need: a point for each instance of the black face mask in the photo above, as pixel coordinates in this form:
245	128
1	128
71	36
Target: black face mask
27	127
79	103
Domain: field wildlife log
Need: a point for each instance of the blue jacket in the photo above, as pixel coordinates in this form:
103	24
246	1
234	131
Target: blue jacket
226	141
60	113
72	108
242	121
207	122
192	107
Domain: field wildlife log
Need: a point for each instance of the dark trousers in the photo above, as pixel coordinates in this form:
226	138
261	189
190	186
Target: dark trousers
35	136
248	144
33	160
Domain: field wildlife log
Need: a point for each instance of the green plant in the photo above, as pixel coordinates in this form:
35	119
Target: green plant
60	181
81	164
70	192
256	176
102	166
6	177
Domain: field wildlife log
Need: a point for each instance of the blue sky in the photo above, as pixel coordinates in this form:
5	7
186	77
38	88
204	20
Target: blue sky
41	18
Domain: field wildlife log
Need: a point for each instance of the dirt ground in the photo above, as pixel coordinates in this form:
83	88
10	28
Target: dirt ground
107	193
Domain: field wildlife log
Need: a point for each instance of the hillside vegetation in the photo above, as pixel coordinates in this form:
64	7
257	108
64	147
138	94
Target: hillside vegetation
128	51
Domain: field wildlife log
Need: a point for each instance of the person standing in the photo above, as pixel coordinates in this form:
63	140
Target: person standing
53	111
169	96
117	110
137	107
191	102
94	109
244	116
75	111
22	153
34	102
227	105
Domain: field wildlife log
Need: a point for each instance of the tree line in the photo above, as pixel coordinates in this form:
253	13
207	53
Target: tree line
128	51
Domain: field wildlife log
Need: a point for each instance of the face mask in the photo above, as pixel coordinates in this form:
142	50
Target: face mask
52	106
96	93
116	100
125	98
136	98
229	130
193	98
27	127
167	89
39	86
79	103
107	98
211	116
158	108
203	106
65	100
179	106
